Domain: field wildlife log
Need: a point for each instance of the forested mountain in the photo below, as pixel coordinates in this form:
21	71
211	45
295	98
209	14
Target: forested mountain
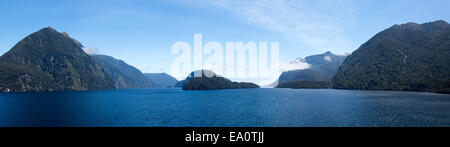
297	75
306	85
208	80
48	60
322	69
411	57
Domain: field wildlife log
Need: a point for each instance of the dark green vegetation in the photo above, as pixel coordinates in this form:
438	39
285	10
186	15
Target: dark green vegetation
123	75
306	85
50	61
208	80
323	67
198	73
161	80
409	57
305	75
215	83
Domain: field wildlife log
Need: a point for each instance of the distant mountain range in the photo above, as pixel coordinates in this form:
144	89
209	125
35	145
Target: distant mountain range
162	80
50	61
123	75
322	68
411	56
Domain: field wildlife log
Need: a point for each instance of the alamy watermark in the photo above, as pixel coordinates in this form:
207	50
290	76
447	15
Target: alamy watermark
238	60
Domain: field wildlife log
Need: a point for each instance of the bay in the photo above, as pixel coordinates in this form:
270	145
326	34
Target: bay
225	108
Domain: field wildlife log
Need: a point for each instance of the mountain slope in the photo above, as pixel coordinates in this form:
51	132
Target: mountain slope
123	75
305	75
404	57
322	68
50	61
326	64
162	79
306	85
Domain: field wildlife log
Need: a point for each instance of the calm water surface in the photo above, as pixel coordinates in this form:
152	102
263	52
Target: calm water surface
225	108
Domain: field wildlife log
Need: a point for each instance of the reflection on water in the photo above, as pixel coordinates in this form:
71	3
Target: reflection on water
226	108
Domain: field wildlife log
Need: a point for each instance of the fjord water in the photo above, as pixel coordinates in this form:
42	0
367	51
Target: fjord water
225	108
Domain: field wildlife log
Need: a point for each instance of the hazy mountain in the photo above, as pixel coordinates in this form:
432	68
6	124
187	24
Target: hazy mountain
296	75
50	61
208	80
123	75
162	79
326	64
403	57
322	68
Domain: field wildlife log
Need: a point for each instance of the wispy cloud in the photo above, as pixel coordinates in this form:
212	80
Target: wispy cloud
292	66
315	23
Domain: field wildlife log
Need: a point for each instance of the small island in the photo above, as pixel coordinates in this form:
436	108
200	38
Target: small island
213	82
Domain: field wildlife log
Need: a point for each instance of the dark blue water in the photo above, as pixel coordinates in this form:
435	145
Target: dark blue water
225	108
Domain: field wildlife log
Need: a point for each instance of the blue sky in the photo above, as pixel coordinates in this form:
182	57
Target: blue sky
142	32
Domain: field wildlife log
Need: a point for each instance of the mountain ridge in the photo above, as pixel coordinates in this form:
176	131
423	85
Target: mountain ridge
322	68
47	60
123	74
407	57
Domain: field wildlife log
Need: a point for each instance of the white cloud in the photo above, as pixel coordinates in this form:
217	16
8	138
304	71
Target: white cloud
288	67
327	58
90	51
316	24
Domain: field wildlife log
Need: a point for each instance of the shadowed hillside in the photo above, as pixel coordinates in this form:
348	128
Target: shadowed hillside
413	57
50	61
